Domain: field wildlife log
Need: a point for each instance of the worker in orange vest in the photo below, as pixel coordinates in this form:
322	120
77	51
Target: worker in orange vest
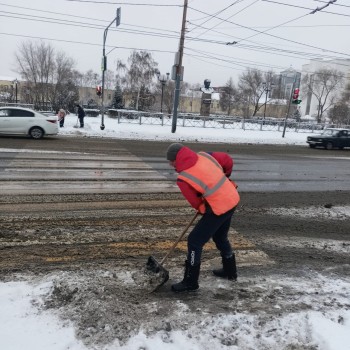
203	181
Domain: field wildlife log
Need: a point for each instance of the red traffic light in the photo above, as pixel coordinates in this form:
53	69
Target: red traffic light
98	90
295	94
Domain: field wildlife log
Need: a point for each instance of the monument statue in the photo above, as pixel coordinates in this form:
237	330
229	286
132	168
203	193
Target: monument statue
207	89
206	98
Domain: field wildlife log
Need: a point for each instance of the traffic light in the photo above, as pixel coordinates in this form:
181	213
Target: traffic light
99	91
295	97
295	94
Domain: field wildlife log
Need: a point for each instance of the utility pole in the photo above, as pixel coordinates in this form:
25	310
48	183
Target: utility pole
104	64
179	71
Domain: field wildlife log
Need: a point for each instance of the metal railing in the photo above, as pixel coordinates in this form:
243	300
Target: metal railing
215	122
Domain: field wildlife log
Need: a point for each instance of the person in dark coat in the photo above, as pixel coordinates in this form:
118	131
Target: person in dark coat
81	115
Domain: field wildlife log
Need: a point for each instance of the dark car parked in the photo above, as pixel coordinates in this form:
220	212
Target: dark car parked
330	138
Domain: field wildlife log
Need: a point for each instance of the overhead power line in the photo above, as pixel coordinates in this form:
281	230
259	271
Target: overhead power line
200	58
267	47
80	24
308	8
277	26
216	13
233	60
141	49
292	20
157	29
227	18
325	2
278	37
259	48
124	3
85	43
89	18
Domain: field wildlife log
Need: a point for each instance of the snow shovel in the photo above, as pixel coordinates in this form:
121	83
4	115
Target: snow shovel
76	124
156	268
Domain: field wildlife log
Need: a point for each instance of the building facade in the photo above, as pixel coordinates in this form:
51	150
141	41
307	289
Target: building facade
310	104
286	81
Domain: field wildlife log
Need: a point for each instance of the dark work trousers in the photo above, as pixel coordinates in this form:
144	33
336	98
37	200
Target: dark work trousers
210	226
62	122
81	120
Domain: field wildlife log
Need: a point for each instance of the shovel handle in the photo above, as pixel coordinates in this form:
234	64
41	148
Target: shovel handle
180	237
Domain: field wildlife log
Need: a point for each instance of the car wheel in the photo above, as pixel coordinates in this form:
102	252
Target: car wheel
36	132
312	146
329	145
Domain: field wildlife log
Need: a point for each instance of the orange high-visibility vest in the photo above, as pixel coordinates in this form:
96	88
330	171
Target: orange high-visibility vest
208	178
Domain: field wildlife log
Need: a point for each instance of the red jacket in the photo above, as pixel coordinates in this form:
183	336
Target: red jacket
187	158
224	160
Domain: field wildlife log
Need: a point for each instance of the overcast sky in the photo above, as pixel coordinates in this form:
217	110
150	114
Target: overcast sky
79	25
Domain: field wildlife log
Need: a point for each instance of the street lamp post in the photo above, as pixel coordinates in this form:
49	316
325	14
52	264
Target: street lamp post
162	79
267	87
16	83
104	63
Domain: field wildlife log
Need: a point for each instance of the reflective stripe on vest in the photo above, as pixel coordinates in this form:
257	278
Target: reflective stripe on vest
211	158
207	178
206	190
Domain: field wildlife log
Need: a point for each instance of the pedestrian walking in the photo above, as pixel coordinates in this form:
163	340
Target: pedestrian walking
81	115
203	181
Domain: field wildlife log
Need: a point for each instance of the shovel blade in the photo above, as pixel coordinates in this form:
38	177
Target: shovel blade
159	274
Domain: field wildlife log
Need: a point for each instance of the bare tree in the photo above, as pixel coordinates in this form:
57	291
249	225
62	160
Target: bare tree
346	95
50	79
77	78
36	64
91	79
229	96
251	87
324	85
63	88
110	80
138	74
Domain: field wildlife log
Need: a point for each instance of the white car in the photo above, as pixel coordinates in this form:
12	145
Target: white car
25	121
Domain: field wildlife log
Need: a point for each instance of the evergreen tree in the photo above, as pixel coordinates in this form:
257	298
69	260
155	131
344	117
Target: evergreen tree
118	97
145	99
66	95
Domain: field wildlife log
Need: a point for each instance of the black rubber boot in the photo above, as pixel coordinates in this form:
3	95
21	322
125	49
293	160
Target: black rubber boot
190	280
228	270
